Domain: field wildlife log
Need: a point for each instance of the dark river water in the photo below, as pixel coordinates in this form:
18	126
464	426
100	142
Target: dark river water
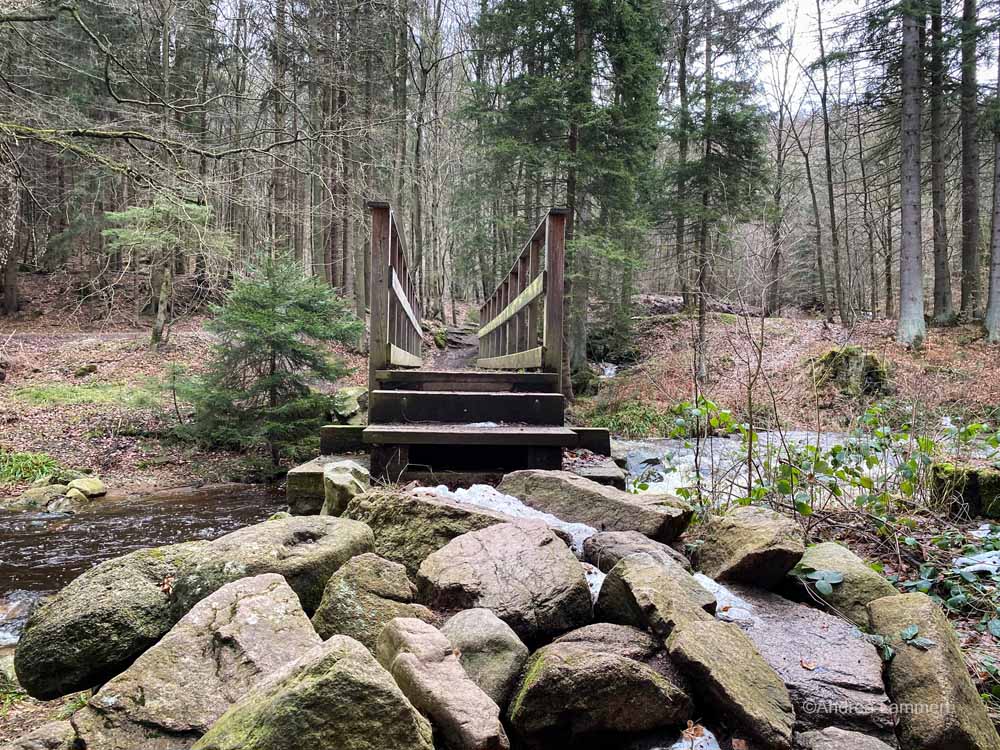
42	552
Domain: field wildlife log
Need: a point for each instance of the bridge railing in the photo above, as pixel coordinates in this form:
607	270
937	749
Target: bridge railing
395	334
522	320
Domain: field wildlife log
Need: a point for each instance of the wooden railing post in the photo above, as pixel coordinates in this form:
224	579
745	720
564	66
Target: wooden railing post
555	260
378	325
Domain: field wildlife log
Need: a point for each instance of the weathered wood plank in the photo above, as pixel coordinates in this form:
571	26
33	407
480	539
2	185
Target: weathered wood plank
468	380
379	292
402	358
533	291
555	248
465	434
517	361
463	407
404	303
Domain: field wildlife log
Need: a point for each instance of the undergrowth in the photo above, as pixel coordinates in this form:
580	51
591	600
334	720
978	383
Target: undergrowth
61	394
631	419
25	467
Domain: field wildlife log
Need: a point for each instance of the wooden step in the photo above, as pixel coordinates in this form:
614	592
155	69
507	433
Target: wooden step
468	380
463	406
468	434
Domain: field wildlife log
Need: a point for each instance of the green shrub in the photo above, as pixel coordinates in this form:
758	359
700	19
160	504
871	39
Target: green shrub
25	467
631	419
257	390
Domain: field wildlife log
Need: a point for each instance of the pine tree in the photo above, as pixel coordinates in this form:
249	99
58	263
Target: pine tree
257	390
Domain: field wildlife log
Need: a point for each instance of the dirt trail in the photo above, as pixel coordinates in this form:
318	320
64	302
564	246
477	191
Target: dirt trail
460	352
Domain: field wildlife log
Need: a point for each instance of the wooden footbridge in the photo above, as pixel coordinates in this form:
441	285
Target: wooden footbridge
507	412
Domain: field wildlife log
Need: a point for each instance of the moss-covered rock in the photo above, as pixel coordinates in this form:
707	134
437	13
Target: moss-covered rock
652	593
967	488
581	689
855	371
172	694
488	649
37	498
750	545
349	405
929	678
98	624
335	696
732	680
861	584
366	593
89	486
408	527
576	499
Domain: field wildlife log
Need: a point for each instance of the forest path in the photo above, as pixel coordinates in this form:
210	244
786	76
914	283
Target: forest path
460	352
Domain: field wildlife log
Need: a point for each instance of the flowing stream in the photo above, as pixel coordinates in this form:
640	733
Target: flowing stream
41	552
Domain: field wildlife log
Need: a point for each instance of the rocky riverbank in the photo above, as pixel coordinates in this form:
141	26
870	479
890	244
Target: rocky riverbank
552	612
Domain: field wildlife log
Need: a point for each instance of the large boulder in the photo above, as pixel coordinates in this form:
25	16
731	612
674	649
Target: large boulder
833	673
342	482
927	675
750	545
349	404
335	695
520	570
306	550
861	585
603	550
218	651
488	649
93	629
409	527
573	498
98	624
652	593
89	486
833	738
426	668
363	595
732	680
595	684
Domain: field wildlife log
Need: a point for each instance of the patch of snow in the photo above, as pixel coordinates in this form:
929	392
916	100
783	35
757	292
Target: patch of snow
608	370
729	607
483	424
484	496
595	579
706	742
984	562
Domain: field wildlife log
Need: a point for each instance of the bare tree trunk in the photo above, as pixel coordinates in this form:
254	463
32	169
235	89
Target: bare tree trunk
942	272
911	329
701	348
992	321
970	164
838	286
683	42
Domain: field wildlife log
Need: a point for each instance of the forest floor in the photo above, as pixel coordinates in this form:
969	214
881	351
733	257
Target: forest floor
88	391
766	362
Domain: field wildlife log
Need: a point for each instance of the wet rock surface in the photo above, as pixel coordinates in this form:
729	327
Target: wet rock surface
838	739
833	674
